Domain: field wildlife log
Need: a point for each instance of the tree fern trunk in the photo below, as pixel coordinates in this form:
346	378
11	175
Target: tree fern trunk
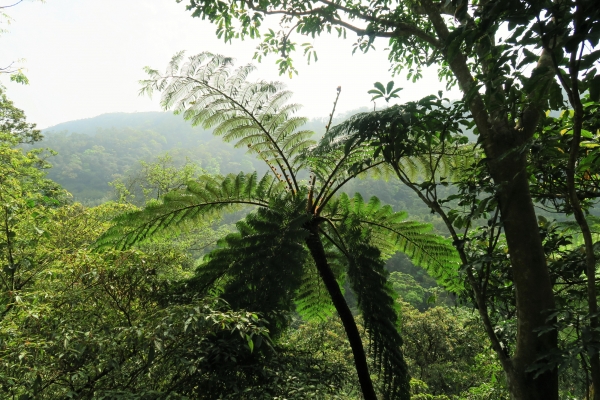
360	359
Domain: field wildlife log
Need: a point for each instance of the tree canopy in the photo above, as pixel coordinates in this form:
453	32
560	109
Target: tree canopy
512	61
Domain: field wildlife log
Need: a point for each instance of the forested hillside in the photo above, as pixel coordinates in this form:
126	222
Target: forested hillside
230	248
93	152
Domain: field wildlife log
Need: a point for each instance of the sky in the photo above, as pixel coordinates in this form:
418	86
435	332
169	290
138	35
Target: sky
85	58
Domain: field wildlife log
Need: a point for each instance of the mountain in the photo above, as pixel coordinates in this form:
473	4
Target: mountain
95	151
172	126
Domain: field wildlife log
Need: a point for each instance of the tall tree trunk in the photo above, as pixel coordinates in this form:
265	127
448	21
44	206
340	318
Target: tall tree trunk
360	359
590	257
507	166
534	296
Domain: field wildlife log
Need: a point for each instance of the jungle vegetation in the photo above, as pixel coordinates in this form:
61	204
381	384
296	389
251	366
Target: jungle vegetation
275	268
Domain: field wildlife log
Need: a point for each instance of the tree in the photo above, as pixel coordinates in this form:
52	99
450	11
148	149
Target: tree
154	180
301	242
95	325
446	349
25	197
555	40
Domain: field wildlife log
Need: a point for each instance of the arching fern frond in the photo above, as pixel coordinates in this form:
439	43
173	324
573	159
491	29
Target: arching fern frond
200	199
260	267
251	114
390	232
368	279
337	162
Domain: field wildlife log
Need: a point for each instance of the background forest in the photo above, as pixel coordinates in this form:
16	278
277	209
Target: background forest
434	249
74	178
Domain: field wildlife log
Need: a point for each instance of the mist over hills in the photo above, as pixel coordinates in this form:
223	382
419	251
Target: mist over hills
98	150
95	151
166	123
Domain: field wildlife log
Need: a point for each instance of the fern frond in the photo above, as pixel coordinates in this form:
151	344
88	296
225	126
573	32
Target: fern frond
201	199
254	114
263	265
337	162
391	232
312	299
368	280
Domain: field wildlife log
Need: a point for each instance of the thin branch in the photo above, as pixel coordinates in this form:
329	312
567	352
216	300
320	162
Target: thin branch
12	5
401	28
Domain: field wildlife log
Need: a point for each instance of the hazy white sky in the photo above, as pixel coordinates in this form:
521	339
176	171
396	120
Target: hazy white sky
85	58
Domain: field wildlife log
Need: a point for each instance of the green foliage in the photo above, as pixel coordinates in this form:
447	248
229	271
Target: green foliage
96	151
388	92
265	265
200	199
408	289
375	299
92	325
448	357
26	200
154	180
313	301
14	128
550	154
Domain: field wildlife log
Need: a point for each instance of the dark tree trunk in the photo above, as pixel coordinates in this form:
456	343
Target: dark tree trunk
502	143
534	296
360	359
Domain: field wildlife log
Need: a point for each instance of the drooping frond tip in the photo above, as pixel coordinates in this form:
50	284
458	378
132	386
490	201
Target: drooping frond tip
254	115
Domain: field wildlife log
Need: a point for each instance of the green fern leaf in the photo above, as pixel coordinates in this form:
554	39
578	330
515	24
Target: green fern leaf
182	209
391	232
251	114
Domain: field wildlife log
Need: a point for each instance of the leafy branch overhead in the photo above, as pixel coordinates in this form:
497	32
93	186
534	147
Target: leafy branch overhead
301	239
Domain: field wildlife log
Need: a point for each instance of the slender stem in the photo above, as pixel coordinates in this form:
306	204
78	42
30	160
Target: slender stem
577	209
314	244
339	90
12	5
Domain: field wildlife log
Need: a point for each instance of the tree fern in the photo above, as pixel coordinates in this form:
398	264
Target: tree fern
299	245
